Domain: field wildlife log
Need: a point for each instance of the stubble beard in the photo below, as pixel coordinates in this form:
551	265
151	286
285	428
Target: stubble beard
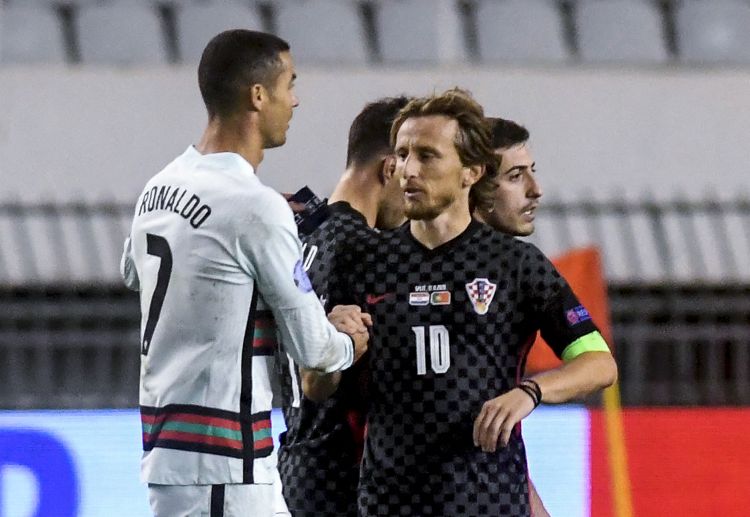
275	141
428	211
516	228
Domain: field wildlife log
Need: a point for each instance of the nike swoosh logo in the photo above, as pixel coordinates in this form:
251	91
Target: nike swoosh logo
372	299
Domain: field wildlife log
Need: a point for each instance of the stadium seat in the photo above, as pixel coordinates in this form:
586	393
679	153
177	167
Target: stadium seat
322	31
520	31
49	3
622	31
714	32
121	33
198	23
420	31
31	34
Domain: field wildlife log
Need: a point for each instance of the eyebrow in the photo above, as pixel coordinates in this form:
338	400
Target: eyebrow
520	167
428	149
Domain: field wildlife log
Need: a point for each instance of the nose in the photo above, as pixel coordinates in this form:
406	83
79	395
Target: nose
295	101
534	189
409	167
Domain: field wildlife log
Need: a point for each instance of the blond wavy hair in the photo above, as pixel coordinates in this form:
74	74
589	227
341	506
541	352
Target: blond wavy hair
473	138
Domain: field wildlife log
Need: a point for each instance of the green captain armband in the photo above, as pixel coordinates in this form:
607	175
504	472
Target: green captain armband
591	342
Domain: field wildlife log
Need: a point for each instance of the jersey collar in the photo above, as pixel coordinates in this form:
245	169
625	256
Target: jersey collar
473	227
223	160
343	207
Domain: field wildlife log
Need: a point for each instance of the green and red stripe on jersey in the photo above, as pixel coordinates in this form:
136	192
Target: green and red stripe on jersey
192	428
262	437
264	333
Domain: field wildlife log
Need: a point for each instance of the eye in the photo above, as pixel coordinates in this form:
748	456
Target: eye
515	176
401	154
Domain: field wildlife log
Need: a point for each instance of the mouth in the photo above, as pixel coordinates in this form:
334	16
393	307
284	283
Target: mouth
529	212
412	192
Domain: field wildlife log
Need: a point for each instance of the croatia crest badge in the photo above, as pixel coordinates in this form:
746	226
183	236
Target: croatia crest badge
481	291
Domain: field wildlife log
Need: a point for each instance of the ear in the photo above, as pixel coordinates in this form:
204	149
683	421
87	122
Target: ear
258	95
387	169
472	174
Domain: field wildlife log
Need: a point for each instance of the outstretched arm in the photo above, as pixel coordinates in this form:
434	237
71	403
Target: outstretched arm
319	386
577	378
273	256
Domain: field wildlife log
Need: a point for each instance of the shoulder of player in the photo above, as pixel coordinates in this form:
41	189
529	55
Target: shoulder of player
488	236
517	250
261	204
338	228
381	240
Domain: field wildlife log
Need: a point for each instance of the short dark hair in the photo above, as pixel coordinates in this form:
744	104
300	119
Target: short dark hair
507	133
473	138
233	61
369	134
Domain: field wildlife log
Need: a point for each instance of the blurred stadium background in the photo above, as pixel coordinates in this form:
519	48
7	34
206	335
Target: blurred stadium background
639	112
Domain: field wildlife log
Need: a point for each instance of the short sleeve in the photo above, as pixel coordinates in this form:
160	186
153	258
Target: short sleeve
556	310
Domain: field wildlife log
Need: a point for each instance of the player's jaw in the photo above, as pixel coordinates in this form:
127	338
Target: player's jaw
421	204
525	224
514	219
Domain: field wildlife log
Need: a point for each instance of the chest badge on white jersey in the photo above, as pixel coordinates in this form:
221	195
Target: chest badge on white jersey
481	291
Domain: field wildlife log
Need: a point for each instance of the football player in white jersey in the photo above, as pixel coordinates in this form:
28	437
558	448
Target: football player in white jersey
215	256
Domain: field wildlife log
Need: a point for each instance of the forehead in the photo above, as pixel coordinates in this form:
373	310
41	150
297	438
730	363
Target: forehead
434	130
286	69
515	156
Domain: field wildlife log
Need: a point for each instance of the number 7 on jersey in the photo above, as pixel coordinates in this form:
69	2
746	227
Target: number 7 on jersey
157	246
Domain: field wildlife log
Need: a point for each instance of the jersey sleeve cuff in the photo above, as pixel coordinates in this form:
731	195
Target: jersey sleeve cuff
591	342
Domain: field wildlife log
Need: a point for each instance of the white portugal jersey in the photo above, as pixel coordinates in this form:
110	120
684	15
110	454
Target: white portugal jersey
216	258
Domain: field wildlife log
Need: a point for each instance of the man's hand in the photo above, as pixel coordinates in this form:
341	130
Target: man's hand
499	416
351	320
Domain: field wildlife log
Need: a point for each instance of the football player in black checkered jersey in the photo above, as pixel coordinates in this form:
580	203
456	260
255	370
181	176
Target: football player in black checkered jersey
453	303
321	450
516	200
519	190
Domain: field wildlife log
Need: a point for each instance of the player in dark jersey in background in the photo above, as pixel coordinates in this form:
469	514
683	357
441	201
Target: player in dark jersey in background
328	436
453	302
518	191
516	200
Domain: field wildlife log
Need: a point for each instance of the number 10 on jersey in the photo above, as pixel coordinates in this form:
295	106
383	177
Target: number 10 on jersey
440	356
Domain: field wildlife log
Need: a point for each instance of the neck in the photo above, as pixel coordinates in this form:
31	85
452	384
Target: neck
232	135
432	233
361	189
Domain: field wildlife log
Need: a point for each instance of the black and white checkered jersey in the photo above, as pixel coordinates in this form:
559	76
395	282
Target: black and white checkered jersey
451	331
320	453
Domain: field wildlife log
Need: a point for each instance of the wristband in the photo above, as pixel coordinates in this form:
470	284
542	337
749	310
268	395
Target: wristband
530	392
534	386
